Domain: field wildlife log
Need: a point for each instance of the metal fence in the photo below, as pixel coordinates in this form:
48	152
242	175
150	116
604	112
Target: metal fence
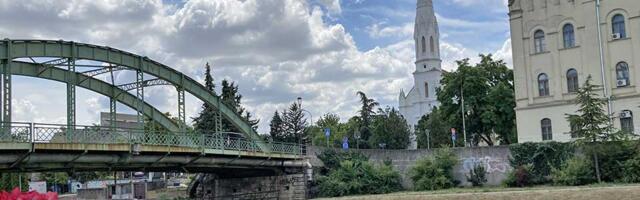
19	132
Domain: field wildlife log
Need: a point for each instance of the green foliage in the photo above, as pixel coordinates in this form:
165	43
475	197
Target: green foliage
291	126
367	111
349	173
338	130
478	175
277	128
488	98
232	98
576	171
591	123
359	177
542	157
391	129
434	172
631	170
8	181
611	157
205	121
438	131
520	176
55	177
332	158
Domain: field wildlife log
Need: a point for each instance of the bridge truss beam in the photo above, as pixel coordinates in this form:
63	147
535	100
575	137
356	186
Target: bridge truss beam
11	49
95	85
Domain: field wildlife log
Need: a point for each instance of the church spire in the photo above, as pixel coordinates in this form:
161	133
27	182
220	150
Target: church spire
426	37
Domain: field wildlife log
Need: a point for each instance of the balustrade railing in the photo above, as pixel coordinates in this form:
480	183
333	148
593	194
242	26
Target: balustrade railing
20	132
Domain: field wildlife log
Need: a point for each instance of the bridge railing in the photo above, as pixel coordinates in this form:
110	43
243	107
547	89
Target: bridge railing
20	132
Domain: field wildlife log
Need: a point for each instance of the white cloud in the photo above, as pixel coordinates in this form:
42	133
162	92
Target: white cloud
276	50
376	31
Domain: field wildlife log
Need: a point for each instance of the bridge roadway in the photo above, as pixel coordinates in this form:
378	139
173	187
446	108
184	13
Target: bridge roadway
29	147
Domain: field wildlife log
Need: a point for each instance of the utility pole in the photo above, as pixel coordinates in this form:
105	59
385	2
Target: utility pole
428	138
464	128
602	67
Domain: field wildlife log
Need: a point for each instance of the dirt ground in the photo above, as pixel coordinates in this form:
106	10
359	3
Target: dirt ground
547	193
167	194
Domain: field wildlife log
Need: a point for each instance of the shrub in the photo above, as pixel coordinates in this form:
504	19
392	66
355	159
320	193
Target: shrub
541	158
576	171
435	172
359	177
519	176
611	158
478	175
331	158
631	170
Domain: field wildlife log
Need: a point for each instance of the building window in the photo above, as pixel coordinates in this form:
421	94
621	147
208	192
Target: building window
538	39
433	48
545	124
543	84
622	74
426	89
568	36
626	121
573	128
424	45
572	81
617	24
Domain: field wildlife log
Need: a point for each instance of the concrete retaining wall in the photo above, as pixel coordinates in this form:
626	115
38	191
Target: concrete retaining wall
495	159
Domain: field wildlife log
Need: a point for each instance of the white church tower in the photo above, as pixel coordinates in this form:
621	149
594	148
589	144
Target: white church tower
422	97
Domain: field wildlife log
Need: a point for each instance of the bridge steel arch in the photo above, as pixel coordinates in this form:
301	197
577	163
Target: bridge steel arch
12	49
56	74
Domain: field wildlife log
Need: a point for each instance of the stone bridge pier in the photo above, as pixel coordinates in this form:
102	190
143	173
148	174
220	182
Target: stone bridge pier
285	183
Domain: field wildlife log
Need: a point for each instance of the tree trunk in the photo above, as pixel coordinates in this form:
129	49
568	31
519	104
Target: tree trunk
595	161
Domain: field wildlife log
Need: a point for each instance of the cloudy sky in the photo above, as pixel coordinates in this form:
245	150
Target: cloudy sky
276	50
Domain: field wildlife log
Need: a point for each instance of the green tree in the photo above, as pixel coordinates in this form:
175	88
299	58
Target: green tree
591	123
389	128
151	126
332	122
277	128
8	181
438	131
489	102
205	121
295	123
366	112
232	98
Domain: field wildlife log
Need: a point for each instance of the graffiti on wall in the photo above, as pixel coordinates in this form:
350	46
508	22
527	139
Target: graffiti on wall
492	165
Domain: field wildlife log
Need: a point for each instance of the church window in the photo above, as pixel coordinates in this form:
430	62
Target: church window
426	89
572	81
538	40
622	74
545	125
433	48
618	25
543	84
568	36
424	45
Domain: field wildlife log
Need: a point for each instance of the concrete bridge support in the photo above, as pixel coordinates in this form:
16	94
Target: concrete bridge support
258	186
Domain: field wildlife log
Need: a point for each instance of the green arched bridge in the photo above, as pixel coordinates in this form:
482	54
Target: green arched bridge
58	147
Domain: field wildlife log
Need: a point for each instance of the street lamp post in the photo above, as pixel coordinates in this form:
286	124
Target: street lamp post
310	115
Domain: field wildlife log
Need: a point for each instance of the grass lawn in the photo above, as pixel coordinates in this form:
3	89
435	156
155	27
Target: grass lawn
590	192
